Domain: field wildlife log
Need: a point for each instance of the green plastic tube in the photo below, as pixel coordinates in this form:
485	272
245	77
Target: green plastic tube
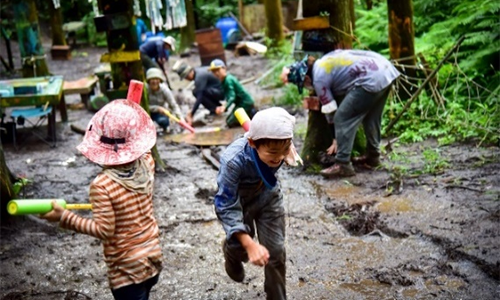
19	207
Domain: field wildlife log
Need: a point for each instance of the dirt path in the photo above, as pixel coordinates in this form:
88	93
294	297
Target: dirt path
439	238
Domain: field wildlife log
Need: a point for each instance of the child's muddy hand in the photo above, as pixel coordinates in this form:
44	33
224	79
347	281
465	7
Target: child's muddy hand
55	214
220	110
258	255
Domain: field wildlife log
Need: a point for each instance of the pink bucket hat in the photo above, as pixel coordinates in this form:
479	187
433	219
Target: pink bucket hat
118	133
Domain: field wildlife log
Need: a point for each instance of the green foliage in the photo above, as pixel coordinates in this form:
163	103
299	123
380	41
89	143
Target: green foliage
468	82
209	13
370	30
434	162
19	185
479	22
284	49
94	37
290	97
300	131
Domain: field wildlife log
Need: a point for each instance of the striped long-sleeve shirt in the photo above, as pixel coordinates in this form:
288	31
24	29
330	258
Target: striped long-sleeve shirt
124	220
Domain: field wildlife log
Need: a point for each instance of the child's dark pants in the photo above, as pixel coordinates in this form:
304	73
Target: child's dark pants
138	291
263	210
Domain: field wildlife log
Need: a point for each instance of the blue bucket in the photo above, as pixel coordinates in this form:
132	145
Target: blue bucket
226	25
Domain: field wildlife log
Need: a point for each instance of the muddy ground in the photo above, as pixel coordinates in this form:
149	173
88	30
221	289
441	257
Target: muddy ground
383	234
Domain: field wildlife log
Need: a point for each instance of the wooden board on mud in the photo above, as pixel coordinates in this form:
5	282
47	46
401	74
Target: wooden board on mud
214	138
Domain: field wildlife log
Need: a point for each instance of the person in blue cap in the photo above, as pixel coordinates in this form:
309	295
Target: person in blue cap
234	92
352	87
249	200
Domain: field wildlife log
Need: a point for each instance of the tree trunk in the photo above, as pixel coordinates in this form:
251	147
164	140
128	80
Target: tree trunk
401	39
56	23
188	32
274	20
318	137
369	4
338	36
6	188
28	32
121	39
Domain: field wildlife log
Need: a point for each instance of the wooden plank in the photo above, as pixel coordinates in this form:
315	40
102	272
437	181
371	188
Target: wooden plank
81	86
213	138
121	56
311	23
207	154
73	26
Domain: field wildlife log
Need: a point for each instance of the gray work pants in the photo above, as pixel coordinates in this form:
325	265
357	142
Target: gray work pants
263	210
359	106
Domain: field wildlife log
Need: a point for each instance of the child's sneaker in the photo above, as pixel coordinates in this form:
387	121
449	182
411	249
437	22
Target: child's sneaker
234	270
339	169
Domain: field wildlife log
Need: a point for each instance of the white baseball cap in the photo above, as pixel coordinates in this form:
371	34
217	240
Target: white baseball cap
171	41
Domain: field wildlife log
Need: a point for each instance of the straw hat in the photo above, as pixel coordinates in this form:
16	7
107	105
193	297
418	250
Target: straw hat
171	41
155	73
118	133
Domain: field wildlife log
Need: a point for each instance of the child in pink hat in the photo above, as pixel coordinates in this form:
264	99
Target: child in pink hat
119	138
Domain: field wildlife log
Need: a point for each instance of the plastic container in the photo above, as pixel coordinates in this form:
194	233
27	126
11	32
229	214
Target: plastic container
6	90
227	25
242	117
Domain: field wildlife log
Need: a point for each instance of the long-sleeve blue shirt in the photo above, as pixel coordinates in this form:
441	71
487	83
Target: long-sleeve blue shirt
153	47
237	167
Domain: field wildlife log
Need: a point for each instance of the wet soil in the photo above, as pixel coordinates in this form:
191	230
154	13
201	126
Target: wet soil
383	234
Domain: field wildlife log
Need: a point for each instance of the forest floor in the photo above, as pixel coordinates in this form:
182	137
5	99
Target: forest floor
383	234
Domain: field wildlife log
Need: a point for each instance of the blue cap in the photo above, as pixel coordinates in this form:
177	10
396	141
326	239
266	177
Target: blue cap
216	64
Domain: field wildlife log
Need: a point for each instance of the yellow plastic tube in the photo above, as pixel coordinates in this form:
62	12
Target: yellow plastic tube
242	117
18	207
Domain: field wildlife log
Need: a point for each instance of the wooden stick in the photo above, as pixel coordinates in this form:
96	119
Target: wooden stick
248	35
409	102
245	81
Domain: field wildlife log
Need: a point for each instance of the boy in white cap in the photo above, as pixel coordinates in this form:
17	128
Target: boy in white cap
160	96
234	93
249	199
119	137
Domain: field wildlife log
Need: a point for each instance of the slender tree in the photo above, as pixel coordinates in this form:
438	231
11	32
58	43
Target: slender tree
188	32
56	24
274	20
318	136
401	39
